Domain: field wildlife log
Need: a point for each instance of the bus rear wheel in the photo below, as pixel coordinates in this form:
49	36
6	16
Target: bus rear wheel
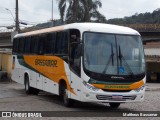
28	89
114	105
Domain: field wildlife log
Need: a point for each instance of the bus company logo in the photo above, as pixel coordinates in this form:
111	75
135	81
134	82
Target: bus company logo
48	63
6	114
21	114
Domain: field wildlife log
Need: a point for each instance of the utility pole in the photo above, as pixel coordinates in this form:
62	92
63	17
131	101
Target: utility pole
52	15
52	9
17	17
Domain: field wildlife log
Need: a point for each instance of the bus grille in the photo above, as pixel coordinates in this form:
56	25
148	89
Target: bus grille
107	97
116	90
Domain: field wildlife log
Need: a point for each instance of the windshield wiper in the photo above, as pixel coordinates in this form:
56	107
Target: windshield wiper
110	58
121	57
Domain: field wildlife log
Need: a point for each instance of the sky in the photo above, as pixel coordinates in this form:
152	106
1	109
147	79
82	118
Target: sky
39	11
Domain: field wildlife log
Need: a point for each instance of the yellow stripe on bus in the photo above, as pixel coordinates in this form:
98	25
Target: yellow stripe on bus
50	66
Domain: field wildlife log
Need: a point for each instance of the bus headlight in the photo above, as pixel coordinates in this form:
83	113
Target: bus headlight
89	86
140	88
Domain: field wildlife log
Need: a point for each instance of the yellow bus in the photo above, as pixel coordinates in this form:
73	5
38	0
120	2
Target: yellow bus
87	62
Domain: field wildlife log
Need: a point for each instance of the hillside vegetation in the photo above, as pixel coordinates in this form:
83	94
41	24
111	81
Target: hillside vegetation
142	18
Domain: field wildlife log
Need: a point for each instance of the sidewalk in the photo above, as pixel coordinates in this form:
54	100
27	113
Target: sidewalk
152	86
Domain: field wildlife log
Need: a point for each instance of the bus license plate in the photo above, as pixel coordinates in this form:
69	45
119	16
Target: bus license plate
117	97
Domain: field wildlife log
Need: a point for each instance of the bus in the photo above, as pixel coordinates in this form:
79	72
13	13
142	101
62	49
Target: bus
86	62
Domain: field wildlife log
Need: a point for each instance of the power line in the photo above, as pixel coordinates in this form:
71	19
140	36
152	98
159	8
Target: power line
6	20
22	11
39	15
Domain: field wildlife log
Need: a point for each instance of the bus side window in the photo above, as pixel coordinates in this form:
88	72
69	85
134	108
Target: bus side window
48	44
53	42
58	43
64	43
36	46
61	43
21	46
41	44
27	45
32	45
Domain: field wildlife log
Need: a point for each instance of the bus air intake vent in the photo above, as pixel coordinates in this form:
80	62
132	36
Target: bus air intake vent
109	97
116	90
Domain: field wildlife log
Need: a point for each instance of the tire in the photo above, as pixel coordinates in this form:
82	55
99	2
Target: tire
114	105
28	89
35	91
66	101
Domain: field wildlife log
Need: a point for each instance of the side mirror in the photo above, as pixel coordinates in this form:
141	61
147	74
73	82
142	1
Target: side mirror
75	39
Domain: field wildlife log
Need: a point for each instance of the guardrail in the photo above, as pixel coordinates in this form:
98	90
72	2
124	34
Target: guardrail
144	27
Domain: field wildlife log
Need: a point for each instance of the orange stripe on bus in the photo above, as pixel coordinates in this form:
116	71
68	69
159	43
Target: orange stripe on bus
46	66
120	87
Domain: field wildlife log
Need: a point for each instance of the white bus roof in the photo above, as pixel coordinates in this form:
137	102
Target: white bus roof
92	27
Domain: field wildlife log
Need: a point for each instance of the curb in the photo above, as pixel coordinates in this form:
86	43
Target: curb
152	89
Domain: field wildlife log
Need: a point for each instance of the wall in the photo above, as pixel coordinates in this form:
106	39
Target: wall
5	63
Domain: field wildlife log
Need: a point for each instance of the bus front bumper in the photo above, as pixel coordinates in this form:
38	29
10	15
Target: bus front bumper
103	96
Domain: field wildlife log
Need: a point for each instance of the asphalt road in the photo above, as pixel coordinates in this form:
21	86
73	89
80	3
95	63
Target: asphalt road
13	98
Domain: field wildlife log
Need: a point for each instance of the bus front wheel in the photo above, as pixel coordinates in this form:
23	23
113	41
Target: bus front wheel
114	105
64	92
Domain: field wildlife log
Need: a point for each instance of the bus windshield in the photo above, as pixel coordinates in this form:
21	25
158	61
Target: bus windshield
113	54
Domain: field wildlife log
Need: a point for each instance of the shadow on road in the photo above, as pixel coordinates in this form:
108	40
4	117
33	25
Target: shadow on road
14	90
80	106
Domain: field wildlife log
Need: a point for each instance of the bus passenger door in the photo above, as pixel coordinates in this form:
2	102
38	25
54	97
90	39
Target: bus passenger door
39	81
75	66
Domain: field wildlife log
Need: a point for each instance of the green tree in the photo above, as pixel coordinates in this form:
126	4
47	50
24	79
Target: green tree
80	10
